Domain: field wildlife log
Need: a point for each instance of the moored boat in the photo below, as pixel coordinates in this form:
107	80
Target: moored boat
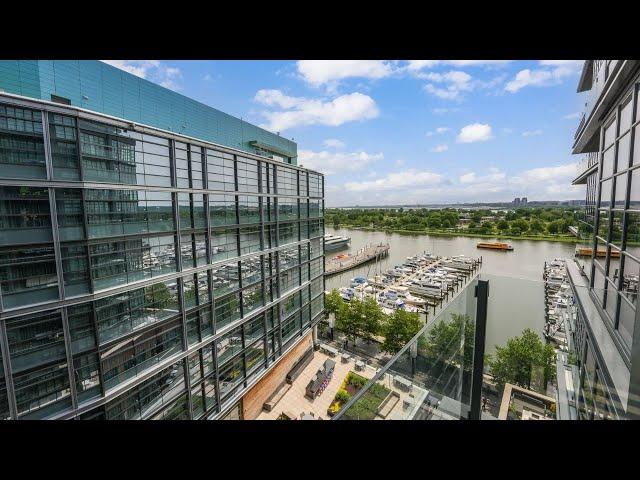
495	246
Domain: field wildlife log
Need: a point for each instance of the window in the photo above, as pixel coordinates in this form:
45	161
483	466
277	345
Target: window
38	360
125	212
70	214
151	395
252	298
253	329
248	209
25	217
64	147
251	269
126	312
247	175
287	209
287	233
224	244
226	278
222	210
27	276
231	377
287	181
21	143
227	310
228	345
220	171
129	359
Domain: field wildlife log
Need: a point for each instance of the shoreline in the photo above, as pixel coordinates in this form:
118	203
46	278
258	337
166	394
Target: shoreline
567	239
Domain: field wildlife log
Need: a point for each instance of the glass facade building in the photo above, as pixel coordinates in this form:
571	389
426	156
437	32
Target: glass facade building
608	340
145	274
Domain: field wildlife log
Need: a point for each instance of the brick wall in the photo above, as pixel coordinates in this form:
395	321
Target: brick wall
254	399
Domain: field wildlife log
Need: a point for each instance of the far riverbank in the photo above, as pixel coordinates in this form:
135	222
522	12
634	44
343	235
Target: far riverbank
546	238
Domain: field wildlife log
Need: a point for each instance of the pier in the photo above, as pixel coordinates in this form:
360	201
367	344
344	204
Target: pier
364	255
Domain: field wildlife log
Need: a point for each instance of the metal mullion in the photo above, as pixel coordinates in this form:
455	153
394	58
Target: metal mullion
8	373
94	317
53	211
69	356
216	373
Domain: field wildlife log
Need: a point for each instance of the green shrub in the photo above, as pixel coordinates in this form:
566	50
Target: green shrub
342	396
357	381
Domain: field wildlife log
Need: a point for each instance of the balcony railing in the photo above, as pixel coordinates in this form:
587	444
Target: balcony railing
588	160
601	71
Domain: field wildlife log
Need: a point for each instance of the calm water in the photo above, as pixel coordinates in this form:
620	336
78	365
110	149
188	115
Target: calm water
516	293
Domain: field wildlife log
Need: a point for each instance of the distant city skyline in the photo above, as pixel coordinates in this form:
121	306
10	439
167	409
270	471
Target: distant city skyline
388	132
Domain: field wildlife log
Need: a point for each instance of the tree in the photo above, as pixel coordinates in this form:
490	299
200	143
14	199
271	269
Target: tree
444	340
372	319
333	302
514	363
398	329
503	225
536	226
554	227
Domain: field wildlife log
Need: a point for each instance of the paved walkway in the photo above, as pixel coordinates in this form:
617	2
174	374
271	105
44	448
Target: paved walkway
294	400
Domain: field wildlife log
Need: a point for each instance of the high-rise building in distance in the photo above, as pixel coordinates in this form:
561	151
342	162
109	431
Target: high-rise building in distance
158	258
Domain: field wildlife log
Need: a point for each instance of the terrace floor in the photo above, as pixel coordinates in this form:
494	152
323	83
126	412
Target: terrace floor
296	402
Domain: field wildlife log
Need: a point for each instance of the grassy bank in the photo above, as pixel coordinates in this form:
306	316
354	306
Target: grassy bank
547	238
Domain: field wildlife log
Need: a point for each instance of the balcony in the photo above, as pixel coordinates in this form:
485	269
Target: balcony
585	167
603	73
443	373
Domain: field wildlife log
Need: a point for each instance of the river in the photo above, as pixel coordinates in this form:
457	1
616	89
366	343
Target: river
516	291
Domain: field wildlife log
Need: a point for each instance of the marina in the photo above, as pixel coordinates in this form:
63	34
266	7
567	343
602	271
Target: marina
558	298
342	263
420	284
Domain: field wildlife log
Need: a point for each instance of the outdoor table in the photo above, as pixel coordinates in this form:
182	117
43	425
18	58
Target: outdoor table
306	416
345	357
359	365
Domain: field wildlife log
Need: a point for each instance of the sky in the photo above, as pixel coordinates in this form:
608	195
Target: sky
404	132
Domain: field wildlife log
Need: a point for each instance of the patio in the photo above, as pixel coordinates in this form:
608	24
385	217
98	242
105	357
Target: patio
296	402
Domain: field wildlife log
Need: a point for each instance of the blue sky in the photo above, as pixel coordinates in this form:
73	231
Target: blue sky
389	132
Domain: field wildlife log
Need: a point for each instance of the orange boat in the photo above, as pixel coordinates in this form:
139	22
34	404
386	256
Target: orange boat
587	252
495	245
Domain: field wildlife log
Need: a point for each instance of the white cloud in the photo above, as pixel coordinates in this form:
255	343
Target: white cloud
440	148
438	131
553	72
319	72
442	111
406	179
572	116
417	65
299	111
399	162
413	186
331	163
507	130
333	143
207	77
453	84
152	70
532	133
476	132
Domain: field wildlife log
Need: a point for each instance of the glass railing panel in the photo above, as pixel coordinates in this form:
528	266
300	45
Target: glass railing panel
430	378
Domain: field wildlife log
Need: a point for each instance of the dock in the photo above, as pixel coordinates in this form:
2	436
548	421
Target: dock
364	255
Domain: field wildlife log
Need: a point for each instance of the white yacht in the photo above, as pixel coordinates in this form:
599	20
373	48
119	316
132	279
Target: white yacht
335	242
